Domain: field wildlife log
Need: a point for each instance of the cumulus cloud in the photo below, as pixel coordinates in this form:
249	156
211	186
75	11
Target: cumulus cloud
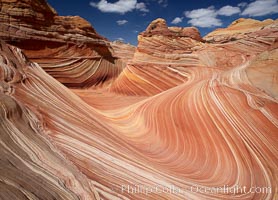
209	17
121	22
261	8
120	39
242	4
177	20
121	6
163	3
228	10
142	7
203	17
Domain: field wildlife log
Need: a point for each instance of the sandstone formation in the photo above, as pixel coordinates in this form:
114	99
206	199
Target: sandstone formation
67	48
238	29
165	60
31	167
185	113
160	51
123	51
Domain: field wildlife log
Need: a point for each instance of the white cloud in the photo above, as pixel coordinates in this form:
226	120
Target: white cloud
120	6
163	3
121	22
203	17
200	13
205	22
242	4
142	7
261	8
120	39
228	10
177	20
208	17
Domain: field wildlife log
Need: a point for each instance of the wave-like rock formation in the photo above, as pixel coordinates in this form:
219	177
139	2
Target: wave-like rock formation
67	47
160	52
203	134
237	30
204	115
168	56
123	50
31	166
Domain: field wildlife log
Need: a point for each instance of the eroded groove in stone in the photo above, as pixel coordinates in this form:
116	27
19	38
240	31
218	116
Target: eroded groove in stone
185	111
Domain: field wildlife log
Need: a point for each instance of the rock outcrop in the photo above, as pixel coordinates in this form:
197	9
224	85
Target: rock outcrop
203	132
159	27
160	51
188	118
38	21
68	48
122	50
238	29
164	60
31	166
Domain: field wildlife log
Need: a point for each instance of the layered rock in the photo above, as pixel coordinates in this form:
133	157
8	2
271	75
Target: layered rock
123	51
68	48
164	59
159	27
204	132
185	115
160	60
265	65
238	30
31	166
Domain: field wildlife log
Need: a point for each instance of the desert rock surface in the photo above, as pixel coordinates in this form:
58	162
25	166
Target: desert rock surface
85	118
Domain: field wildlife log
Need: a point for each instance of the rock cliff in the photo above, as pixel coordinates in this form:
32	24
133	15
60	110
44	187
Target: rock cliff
67	47
185	115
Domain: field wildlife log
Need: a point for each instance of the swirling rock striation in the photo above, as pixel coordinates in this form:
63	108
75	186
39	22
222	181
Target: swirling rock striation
31	167
165	59
67	47
185	112
203	133
237	30
123	50
160	60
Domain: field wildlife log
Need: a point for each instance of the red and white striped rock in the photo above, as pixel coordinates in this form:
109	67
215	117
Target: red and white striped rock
184	113
67	47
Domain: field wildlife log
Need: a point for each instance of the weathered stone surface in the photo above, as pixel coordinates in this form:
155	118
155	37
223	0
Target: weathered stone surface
263	72
122	50
163	60
185	112
238	30
36	20
205	130
67	47
159	27
31	167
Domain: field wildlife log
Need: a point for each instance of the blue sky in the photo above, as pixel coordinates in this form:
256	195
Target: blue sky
125	19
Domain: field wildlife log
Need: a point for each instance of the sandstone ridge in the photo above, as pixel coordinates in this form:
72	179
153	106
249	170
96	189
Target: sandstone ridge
67	47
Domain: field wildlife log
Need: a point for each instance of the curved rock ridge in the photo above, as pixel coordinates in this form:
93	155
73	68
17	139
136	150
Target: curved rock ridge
207	132
123	50
31	166
238	29
185	115
37	20
160	60
163	60
159	27
266	64
76	55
